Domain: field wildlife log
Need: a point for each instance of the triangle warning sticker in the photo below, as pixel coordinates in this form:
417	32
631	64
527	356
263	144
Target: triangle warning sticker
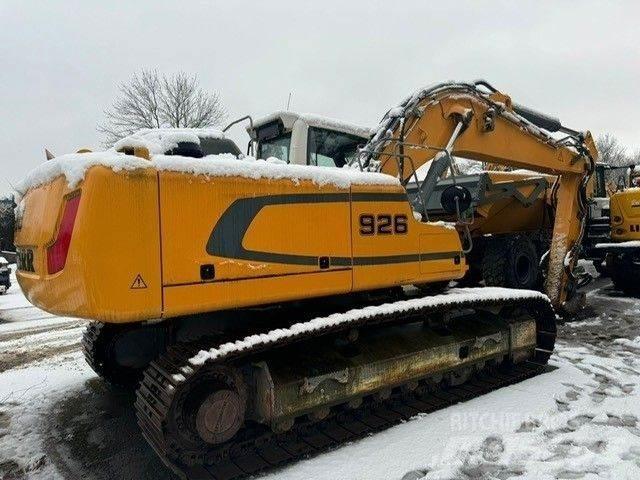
138	283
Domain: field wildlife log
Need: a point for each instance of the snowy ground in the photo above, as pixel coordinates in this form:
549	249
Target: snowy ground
580	420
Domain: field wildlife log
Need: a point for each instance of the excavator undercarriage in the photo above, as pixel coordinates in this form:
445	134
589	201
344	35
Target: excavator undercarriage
228	410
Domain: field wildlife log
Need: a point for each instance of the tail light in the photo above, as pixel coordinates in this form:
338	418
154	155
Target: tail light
58	250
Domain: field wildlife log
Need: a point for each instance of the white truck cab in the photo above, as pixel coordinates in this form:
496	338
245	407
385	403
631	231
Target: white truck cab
305	139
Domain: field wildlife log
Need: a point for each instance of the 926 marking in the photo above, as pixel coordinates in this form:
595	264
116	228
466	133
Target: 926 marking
383	224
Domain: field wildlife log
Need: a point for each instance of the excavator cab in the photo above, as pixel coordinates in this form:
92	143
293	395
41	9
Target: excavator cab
304	139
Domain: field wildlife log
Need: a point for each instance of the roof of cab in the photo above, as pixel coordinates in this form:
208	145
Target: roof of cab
289	118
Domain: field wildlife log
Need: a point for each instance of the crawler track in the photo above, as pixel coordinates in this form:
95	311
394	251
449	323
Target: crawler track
96	341
256	448
89	346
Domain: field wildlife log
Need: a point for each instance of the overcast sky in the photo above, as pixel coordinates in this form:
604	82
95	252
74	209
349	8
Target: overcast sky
61	62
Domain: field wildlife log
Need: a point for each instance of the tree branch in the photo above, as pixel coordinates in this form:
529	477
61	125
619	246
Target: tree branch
151	100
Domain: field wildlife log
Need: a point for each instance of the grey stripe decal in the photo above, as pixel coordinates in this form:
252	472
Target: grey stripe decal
227	235
415	257
379	197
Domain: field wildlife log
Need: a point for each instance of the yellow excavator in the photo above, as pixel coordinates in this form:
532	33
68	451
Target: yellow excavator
612	239
257	306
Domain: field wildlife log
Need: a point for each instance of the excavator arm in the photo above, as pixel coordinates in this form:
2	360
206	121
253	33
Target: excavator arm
475	121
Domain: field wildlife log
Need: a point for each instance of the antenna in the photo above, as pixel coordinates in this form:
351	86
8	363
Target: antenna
289	101
13	188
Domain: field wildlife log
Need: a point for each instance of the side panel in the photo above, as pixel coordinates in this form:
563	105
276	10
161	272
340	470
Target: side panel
263	241
391	247
210	296
115	238
509	216
625	215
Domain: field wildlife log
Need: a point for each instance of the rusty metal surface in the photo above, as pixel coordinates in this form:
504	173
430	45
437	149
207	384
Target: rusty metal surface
220	416
382	359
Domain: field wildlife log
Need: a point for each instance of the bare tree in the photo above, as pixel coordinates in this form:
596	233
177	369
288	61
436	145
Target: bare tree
151	100
7	223
611	151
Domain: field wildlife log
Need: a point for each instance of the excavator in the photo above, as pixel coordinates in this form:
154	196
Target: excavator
261	309
612	239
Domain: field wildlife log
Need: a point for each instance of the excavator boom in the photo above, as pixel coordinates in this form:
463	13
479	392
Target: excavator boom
475	121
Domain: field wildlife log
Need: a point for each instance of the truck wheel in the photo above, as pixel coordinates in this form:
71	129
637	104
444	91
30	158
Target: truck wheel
511	262
625	273
473	276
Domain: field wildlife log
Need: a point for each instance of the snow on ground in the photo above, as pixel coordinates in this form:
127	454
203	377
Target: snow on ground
57	419
579	420
38	361
26	398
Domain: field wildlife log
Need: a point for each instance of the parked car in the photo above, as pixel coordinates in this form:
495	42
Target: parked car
5	274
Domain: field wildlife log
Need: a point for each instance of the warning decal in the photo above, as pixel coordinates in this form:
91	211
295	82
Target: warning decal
138	283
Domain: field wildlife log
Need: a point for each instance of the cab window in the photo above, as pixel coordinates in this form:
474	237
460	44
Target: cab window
326	148
275	147
216	146
273	141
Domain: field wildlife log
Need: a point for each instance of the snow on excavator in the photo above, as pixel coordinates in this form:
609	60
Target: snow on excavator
257	306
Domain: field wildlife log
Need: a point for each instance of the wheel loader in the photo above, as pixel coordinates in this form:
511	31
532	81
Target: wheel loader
257	305
612	241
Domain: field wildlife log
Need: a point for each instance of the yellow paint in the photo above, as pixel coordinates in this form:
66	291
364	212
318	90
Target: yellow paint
508	144
508	215
132	223
115	238
625	215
